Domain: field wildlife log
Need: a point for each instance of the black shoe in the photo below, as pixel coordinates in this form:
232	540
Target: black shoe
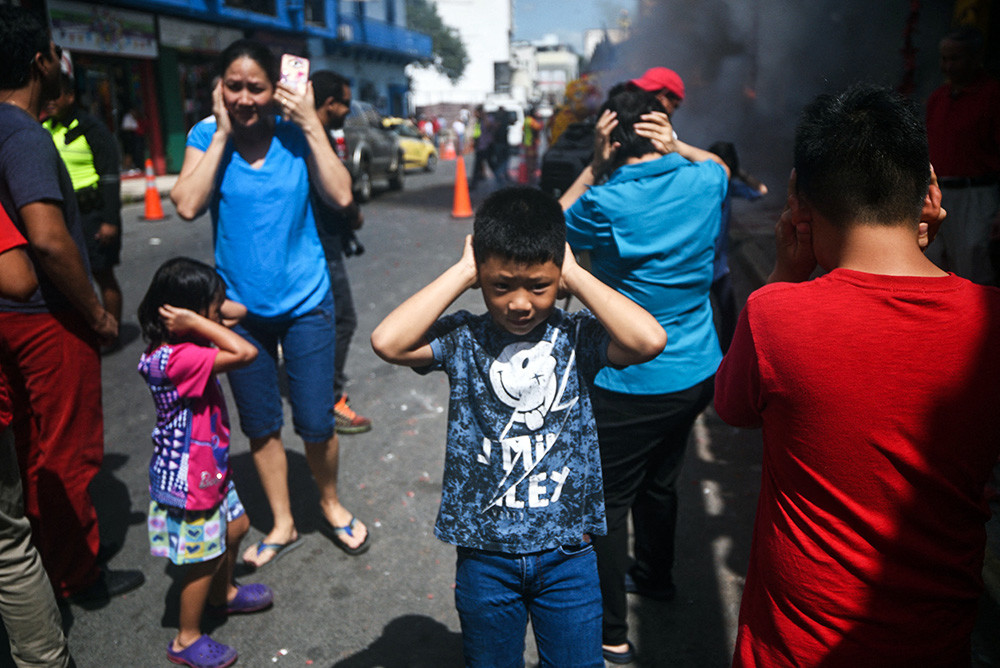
653	593
109	584
620	658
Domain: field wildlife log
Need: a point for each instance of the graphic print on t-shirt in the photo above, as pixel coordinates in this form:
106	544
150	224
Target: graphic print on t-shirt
523	377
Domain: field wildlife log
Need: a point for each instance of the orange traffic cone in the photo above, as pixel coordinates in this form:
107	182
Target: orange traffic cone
462	207
449	151
154	211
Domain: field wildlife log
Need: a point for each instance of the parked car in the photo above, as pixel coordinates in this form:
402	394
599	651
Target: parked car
418	149
370	151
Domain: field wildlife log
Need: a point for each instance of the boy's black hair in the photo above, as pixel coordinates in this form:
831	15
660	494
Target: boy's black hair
521	224
327	84
630	105
180	282
862	156
255	51
22	35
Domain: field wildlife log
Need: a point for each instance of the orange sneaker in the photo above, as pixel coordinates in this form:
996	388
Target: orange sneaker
349	422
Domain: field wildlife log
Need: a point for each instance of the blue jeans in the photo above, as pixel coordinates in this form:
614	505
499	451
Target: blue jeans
495	592
307	344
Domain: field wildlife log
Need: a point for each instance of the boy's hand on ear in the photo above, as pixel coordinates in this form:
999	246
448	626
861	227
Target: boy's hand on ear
932	215
468	264
794	261
567	273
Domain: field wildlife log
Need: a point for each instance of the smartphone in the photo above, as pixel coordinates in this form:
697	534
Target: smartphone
295	71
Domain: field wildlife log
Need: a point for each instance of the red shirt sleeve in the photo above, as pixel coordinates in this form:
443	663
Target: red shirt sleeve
737	382
9	236
190	368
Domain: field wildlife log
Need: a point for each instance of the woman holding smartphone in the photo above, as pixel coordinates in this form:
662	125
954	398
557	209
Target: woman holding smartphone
251	164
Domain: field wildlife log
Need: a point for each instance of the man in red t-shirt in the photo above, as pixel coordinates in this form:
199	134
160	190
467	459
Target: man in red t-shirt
963	133
877	391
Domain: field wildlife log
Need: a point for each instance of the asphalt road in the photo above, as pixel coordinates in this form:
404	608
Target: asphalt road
392	607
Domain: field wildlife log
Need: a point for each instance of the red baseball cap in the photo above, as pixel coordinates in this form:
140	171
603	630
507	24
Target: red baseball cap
658	78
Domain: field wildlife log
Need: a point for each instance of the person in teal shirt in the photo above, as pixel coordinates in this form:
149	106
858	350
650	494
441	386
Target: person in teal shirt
650	233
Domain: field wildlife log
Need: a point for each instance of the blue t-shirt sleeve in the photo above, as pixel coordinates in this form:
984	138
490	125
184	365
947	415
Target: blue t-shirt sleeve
592	342
30	168
444	339
201	134
586	227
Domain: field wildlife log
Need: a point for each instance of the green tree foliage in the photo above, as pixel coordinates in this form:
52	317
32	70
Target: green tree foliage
450	57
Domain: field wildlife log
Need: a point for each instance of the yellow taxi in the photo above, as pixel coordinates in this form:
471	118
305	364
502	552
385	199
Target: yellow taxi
418	150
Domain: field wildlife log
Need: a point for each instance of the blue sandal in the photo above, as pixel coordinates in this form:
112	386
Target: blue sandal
335	533
279	549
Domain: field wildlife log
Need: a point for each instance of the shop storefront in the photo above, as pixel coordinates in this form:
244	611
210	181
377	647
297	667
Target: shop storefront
113	54
188	54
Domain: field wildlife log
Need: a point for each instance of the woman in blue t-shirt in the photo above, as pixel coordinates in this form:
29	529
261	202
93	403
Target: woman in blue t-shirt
252	169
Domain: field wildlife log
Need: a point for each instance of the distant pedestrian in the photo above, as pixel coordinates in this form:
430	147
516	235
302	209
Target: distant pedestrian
458	129
195	516
963	134
482	141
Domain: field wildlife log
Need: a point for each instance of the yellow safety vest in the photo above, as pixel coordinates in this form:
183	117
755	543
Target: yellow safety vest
77	154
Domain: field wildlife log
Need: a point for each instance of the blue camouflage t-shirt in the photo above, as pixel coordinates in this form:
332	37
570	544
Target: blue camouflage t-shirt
522	470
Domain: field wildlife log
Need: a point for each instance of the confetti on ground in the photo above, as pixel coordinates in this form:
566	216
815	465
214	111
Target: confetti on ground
430	596
154	241
410	494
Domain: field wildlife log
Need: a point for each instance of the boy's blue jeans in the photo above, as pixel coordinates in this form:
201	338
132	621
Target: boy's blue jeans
495	592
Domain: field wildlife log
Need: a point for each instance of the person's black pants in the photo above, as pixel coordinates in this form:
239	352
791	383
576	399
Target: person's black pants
345	321
642	440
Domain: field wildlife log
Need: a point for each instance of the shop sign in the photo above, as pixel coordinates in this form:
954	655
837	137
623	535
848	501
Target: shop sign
92	28
189	36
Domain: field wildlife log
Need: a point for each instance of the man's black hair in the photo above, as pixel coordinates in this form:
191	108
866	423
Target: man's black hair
327	84
630	105
862	156
22	35
520	224
183	283
255	51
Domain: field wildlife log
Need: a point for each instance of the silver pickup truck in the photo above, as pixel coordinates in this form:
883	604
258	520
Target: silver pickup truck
370	151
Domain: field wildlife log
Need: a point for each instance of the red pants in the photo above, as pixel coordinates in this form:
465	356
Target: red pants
52	364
